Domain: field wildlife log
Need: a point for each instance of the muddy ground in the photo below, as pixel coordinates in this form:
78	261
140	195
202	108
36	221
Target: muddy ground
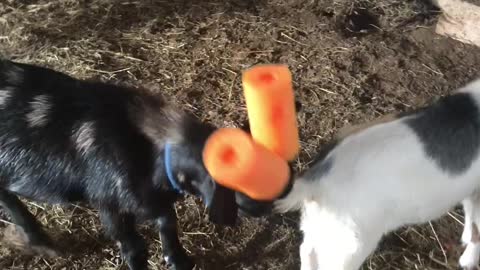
352	61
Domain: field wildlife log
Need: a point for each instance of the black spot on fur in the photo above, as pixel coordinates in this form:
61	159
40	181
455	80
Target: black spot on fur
449	131
325	150
321	169
321	164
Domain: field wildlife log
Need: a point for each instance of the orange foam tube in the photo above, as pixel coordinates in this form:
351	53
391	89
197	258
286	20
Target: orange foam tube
235	161
270	104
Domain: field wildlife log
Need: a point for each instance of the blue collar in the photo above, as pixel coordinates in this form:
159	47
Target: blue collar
168	169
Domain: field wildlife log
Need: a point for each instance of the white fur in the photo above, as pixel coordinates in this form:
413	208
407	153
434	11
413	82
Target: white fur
84	137
5	95
39	109
380	179
471	256
472	87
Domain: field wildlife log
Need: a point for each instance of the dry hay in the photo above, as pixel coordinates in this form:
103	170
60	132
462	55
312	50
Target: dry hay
352	61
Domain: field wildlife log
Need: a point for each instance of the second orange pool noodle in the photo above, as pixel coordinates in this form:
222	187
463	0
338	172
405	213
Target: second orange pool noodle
235	161
270	104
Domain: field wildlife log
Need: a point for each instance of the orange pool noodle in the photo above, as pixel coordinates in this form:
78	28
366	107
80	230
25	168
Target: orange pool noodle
270	104
235	161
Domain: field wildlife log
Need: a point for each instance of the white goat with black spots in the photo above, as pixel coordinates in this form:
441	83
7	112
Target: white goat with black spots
405	170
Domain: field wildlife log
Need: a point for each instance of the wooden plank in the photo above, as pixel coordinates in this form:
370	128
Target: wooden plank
460	20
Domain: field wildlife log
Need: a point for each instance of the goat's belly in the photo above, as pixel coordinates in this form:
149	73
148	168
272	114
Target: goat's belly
390	202
423	200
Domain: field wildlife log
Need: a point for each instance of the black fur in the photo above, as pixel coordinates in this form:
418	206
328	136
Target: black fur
122	173
449	131
321	164
324	151
319	169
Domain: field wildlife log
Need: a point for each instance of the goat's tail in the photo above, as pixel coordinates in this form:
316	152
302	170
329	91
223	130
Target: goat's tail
295	198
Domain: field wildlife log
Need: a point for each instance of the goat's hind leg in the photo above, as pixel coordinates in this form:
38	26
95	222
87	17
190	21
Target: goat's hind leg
471	235
122	228
29	233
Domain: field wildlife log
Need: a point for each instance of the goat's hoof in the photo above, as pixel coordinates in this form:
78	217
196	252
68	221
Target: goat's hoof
45	251
466	235
468	260
34	244
138	266
180	262
466	266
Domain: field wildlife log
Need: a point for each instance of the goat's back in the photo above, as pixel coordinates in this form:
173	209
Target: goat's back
63	138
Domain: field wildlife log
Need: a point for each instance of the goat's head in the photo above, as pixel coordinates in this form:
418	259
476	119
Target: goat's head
181	139
191	175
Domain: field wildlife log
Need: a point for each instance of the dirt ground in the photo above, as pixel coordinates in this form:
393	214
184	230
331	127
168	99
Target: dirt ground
352	61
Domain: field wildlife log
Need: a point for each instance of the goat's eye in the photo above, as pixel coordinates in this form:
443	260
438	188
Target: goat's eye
181	177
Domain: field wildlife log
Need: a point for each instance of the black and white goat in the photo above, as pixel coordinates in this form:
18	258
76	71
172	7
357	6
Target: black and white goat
125	152
399	171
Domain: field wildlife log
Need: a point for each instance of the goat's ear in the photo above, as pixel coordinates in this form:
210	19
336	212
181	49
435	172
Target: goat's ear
245	126
298	106
195	131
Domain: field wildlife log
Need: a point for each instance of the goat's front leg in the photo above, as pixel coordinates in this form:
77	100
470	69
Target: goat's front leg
471	235
121	228
172	249
344	254
347	252
334	242
308	256
28	228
